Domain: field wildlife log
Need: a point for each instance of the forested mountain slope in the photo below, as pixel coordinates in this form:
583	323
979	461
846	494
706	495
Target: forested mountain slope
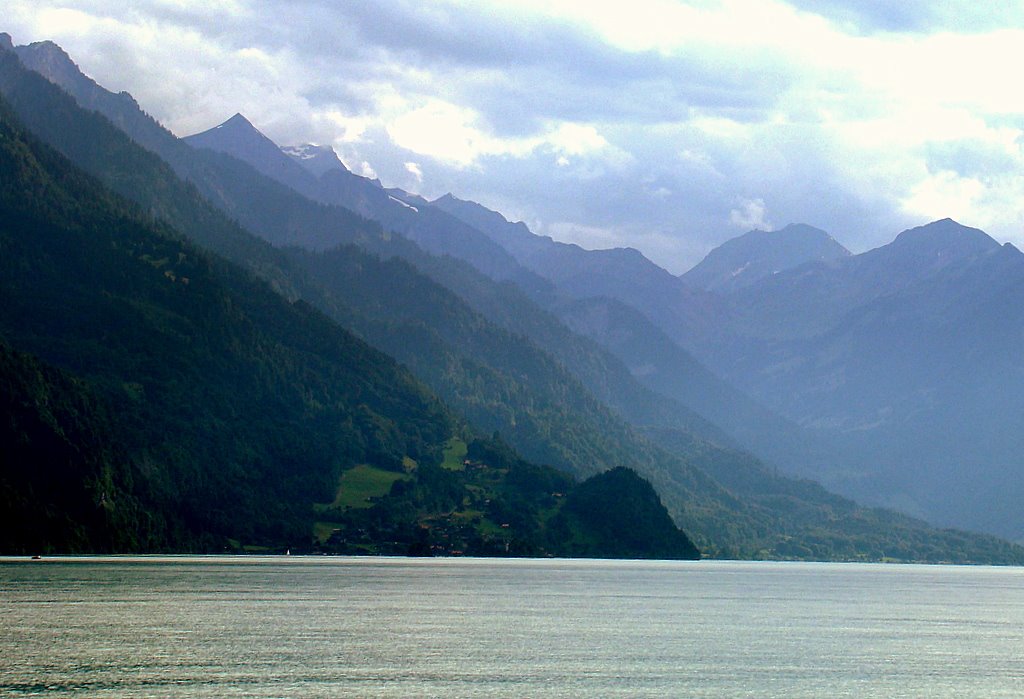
210	413
245	406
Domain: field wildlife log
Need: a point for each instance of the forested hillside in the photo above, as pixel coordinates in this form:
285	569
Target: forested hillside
214	377
208	413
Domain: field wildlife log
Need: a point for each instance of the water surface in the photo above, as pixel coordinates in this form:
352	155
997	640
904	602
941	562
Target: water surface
373	627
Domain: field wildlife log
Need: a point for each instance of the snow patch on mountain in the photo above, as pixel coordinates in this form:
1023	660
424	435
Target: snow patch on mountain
399	201
316	159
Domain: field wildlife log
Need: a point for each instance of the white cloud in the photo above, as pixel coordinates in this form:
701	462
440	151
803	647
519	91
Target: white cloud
944	191
443	131
454	135
343	129
366	170
576	139
415	170
750	214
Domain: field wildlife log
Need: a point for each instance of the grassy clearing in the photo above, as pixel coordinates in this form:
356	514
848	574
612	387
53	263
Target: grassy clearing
489	528
322	531
454	455
358	485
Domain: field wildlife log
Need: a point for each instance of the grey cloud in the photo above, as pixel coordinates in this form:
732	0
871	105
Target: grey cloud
913	16
518	73
868	16
432	35
972	158
667	92
679	185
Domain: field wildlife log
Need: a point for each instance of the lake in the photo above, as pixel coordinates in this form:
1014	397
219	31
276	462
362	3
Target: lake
390	627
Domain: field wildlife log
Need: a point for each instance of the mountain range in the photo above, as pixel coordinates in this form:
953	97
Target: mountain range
891	376
908	358
164	399
518	334
431	229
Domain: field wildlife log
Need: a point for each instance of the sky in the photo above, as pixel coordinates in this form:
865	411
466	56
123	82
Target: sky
661	125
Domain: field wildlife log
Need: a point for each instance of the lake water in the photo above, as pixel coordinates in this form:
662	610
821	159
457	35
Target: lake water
368	627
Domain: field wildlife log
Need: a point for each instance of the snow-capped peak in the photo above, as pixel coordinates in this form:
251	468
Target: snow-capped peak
316	159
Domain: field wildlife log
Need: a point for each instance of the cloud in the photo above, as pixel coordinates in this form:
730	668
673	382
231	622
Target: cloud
451	134
415	170
659	123
918	16
750	214
366	170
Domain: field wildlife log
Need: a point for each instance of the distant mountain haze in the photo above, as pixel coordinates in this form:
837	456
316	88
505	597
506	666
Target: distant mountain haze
617	299
622	273
618	398
810	298
907	358
871	354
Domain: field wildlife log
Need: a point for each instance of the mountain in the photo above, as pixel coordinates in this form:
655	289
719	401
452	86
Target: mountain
432	229
285	218
623	508
528	413
238	135
778	517
749	258
55	430
248	199
318	160
516	237
548	403
811	299
622	391
901	360
238	407
605	290
623	274
668	370
653	358
197	409
811	343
